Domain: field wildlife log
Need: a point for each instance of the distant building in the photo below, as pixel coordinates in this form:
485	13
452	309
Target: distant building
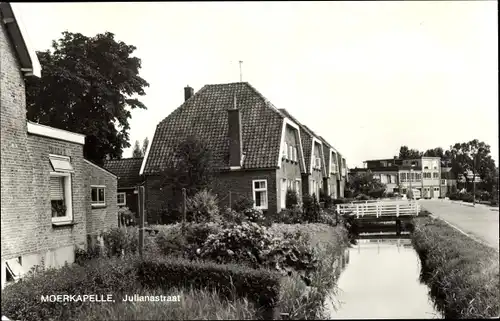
432	176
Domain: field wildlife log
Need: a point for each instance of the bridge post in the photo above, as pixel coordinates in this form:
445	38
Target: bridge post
398	227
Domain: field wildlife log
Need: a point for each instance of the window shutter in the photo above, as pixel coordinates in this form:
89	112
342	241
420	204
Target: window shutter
56	188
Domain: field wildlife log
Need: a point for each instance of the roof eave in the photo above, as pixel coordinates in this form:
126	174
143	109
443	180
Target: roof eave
28	60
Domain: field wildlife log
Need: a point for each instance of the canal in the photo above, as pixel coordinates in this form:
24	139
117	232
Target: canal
379	278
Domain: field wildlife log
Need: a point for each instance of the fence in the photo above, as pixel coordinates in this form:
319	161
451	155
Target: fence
380	208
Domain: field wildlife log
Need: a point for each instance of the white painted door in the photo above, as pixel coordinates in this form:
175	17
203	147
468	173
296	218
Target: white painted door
283	193
436	192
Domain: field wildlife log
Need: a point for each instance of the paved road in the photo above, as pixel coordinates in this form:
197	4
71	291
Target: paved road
480	221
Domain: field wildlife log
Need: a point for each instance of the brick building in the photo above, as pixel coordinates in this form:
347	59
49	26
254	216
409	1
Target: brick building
127	170
47	204
259	151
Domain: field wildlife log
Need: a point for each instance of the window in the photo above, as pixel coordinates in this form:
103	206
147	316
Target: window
297	185
402	177
435	175
60	190
443	182
121	199
295	156
427	175
436	189
426	167
290	152
285	151
418	177
98	196
317	162
260	194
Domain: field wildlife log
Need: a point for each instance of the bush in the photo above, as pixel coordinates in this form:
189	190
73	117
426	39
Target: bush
254	215
202	207
328	218
231	216
175	243
253	245
292	199
120	240
260	286
362	197
126	216
390	195
376	193
467	197
293	215
22	300
311	208
242	203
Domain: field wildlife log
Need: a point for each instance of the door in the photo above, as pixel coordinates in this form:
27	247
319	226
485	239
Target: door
283	193
436	192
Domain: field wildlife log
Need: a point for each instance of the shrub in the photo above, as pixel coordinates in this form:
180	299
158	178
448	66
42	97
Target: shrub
362	197
295	215
120	240
292	198
390	195
376	193
230	216
467	197
22	300
311	208
202	207
242	203
126	216
254	215
328	218
260	286
176	243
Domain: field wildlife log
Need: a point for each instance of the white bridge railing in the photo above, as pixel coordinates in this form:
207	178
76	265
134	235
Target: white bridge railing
380	208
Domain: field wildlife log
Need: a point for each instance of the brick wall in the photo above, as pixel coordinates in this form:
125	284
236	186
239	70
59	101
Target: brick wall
238	182
101	218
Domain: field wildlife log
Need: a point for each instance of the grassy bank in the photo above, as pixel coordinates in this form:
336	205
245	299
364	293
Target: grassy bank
462	274
194	304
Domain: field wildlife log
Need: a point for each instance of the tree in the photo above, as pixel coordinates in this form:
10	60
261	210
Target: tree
406	153
434	152
472	157
86	87
145	144
189	167
365	183
137	152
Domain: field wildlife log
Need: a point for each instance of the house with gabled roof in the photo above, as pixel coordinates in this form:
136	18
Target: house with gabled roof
127	170
53	200
258	150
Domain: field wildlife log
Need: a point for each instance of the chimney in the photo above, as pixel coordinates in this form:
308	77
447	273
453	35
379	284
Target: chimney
234	135
188	92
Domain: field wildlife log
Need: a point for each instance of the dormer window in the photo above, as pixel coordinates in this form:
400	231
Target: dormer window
290	152
285	151
295	157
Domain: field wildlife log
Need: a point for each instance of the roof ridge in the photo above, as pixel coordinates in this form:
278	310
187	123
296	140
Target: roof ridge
266	101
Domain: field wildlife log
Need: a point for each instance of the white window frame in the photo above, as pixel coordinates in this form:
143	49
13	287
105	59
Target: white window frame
68	199
285	151
290	152
443	181
255	190
124	198
295	157
99	204
298	184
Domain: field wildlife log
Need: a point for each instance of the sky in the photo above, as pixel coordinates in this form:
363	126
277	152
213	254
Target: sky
367	76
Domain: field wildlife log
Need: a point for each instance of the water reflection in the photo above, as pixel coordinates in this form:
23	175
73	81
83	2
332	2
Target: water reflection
381	280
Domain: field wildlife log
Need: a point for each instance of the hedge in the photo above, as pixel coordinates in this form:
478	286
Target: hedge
103	276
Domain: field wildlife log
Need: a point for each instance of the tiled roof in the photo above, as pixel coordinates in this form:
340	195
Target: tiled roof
127	170
205	115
